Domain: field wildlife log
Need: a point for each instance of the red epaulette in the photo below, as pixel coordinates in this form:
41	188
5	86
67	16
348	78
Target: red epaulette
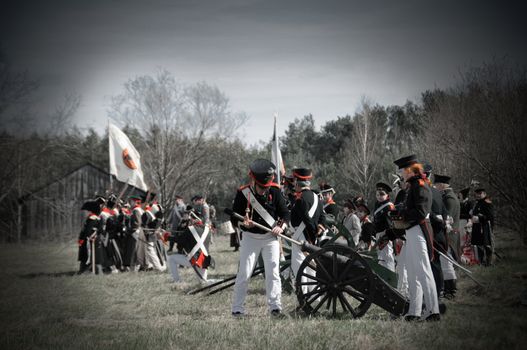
391	206
107	210
274	184
242	187
331	201
93	216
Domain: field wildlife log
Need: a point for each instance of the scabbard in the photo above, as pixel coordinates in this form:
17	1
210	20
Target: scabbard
428	233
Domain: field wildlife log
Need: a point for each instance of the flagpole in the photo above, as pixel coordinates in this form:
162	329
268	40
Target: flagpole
109	150
276	150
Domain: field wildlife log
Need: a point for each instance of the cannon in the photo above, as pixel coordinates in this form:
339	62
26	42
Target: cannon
334	280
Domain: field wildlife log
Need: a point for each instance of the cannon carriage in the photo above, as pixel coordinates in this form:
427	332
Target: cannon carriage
336	279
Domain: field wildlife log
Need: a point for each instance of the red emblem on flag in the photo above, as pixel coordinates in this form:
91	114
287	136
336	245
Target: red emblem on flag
127	160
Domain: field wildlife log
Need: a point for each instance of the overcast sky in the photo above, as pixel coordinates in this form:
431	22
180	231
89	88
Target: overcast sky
290	57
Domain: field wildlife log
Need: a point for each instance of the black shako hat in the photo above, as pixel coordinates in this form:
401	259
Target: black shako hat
303	174
137	197
112	200
196	197
262	171
384	187
326	187
441	179
100	199
464	192
364	207
92	206
405	162
350	204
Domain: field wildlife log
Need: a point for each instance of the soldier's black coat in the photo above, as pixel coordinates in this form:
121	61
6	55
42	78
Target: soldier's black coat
438	225
90	226
272	201
482	230
300	213
417	206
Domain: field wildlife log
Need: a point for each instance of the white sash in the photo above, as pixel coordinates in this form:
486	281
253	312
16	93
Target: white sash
300	228
258	207
381	208
199	241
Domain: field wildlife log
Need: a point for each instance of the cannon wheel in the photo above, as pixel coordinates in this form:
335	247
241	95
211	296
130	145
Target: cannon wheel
331	290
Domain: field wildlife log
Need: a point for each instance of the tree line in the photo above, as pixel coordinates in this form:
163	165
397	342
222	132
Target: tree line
188	141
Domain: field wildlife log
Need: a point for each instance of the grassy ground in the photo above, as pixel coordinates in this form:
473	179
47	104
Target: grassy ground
44	306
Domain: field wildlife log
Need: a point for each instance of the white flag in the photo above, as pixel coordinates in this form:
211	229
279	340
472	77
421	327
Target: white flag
125	161
276	155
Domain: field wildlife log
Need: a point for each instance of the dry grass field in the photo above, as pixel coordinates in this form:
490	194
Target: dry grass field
43	305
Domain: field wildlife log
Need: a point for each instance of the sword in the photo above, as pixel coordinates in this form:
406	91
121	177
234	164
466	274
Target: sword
465	270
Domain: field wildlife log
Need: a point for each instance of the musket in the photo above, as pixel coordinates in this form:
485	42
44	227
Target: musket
465	270
231	212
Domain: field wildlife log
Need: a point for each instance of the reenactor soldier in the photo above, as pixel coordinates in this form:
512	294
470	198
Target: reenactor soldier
330	207
465	206
152	221
383	227
260	202
367	231
482	226
88	233
307	215
176	218
451	203
438	219
351	223
417	250
201	209
109	231
134	233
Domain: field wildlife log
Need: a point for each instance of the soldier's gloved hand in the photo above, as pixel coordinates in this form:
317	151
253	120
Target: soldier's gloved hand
136	234
475	219
277	230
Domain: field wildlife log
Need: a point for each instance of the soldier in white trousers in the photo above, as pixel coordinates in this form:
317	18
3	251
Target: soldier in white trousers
260	202
418	249
382	226
307	213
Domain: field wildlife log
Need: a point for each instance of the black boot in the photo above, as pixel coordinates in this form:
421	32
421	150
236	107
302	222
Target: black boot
449	292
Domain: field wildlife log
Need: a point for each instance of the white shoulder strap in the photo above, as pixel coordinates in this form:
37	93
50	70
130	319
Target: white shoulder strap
381	208
300	228
251	198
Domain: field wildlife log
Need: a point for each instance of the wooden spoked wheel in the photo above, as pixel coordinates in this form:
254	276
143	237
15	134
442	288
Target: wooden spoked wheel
335	280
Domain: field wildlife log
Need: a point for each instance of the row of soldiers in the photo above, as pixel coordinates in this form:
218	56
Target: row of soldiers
119	236
422	249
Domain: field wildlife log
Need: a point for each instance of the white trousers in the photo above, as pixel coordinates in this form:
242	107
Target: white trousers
180	259
251	246
385	255
402	276
297	258
151	258
447	267
421	284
